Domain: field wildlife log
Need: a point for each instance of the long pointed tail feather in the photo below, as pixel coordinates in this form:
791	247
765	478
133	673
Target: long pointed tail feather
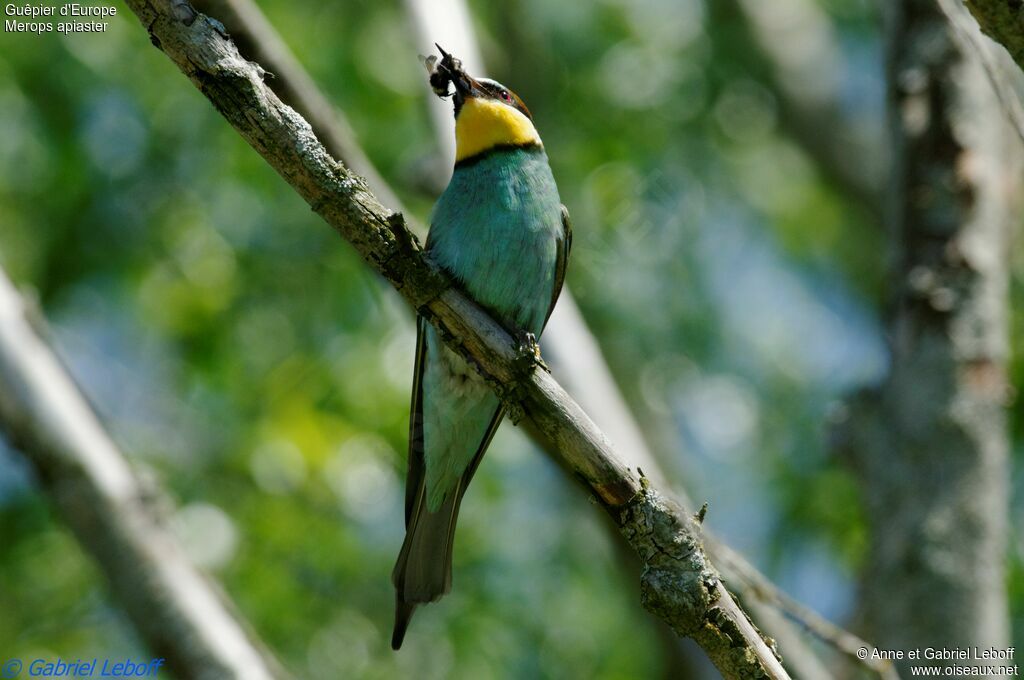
423	572
403	614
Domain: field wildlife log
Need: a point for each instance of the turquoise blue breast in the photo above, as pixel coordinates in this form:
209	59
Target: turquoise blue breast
496	230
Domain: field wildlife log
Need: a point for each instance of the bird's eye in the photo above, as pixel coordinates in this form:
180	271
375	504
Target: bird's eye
506	96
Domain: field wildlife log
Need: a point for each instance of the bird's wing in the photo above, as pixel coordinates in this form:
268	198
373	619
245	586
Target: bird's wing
414	479
562	261
414	483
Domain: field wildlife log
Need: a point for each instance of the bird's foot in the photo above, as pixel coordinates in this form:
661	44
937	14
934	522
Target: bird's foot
527	359
528	353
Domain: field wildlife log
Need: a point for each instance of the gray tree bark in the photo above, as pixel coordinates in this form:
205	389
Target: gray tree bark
931	446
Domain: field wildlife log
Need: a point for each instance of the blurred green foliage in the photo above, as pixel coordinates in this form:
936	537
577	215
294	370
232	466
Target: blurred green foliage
237	348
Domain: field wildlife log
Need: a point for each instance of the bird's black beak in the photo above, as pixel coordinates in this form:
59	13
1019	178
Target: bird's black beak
465	87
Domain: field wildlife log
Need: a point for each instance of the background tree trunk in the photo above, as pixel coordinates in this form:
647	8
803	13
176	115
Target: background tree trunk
931	446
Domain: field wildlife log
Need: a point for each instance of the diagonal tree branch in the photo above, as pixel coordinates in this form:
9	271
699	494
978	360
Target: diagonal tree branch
179	612
679	584
759	593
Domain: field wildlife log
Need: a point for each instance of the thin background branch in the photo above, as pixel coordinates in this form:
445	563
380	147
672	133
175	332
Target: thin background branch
178	611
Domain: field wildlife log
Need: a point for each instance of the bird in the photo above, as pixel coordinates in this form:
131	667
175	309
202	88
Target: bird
501	233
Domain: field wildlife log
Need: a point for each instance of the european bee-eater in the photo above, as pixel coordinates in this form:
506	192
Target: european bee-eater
500	232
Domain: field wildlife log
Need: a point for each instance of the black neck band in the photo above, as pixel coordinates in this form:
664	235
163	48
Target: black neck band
476	158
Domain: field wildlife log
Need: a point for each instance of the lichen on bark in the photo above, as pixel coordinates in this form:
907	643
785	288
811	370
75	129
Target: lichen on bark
677	583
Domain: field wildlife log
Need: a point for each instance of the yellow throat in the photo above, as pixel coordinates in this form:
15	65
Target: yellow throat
483	124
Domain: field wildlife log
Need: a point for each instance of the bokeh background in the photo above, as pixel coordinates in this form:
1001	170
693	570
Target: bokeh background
242	353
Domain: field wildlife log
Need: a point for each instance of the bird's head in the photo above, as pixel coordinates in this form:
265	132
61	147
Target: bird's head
487	114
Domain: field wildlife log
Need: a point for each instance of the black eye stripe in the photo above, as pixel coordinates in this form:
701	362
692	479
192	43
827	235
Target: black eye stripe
506	96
